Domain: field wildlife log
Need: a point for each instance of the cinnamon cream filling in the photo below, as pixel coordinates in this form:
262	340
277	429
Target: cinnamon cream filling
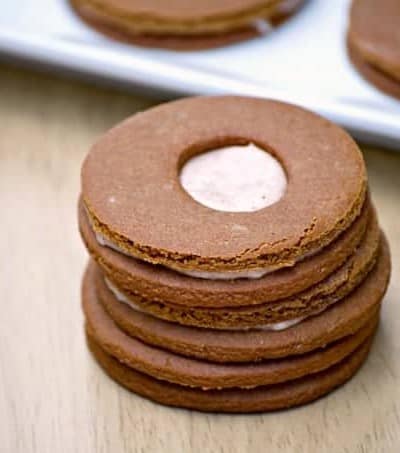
254	273
278	326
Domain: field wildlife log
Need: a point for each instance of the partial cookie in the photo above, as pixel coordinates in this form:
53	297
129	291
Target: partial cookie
194	30
341	320
382	81
161	284
144	211
268	398
374	35
165	365
307	303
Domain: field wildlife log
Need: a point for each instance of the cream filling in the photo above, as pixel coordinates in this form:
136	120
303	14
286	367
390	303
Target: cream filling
207	275
265	26
251	274
234	179
275	327
262	26
285	7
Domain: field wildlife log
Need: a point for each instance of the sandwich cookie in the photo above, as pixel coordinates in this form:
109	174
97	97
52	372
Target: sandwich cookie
374	42
264	398
341	320
165	365
137	205
309	302
184	26
135	276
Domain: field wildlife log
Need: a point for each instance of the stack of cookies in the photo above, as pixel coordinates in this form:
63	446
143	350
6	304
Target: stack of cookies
183	24
374	42
226	311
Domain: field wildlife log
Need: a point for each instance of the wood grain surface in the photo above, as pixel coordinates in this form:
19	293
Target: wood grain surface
53	397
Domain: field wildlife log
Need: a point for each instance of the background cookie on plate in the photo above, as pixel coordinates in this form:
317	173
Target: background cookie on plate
374	42
182	24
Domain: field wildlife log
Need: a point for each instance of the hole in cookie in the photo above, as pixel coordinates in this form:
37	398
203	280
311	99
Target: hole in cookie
234	178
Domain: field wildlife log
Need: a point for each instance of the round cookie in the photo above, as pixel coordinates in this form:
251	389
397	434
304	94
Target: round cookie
310	302
144	211
165	285
267	398
382	81
162	364
374	34
201	34
341	320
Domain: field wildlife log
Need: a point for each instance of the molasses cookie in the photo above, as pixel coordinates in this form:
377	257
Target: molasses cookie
263	398
341	320
137	205
165	365
374	42
179	24
138	277
286	310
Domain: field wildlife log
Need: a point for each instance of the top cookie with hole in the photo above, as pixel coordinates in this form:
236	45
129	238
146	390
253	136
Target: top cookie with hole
145	183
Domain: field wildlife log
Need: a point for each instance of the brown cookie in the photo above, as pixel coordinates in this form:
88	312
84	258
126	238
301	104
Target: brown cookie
119	23
164	365
374	35
161	284
309	302
381	80
341	320
280	396
131	188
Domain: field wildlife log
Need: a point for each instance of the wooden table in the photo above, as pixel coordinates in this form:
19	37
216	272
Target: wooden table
53	397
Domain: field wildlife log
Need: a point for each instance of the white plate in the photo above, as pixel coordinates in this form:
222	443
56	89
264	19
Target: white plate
304	62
